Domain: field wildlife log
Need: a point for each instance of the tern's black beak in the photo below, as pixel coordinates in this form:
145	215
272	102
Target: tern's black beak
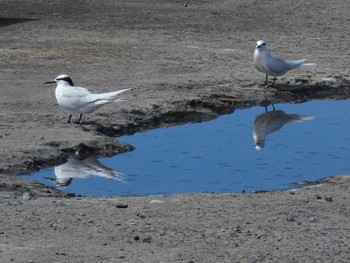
50	82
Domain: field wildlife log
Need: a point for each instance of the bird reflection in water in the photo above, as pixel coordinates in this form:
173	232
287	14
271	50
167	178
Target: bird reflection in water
272	121
82	169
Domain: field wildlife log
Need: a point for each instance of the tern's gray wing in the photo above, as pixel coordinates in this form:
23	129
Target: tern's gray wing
77	92
276	65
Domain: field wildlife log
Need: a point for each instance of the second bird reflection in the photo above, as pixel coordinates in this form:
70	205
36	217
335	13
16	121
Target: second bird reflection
82	169
272	121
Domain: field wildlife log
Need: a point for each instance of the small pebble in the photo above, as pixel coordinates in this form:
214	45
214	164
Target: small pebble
121	206
156	202
147	240
141	216
329	199
26	196
312	219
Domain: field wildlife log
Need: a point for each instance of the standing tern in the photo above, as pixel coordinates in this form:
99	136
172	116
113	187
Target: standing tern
78	100
272	65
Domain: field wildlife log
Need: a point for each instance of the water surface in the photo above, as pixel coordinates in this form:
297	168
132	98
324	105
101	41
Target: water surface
220	155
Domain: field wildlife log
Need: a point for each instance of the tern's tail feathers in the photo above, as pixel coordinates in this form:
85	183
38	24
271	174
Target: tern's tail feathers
109	96
292	64
113	94
300	118
299	64
305	65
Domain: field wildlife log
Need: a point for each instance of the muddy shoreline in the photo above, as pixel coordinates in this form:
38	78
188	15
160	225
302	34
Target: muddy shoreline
175	112
184	62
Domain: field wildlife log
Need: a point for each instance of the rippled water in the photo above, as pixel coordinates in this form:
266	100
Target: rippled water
298	142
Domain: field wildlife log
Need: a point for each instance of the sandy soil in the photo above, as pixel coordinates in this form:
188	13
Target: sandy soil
180	58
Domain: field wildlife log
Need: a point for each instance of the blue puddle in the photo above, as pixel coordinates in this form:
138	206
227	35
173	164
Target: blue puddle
220	155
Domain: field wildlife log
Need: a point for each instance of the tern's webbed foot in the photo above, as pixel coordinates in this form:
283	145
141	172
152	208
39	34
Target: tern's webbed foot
78	121
273	81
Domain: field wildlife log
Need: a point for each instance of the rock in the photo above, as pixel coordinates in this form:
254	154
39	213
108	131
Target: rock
328	199
312	219
147	239
156	202
121	206
26	196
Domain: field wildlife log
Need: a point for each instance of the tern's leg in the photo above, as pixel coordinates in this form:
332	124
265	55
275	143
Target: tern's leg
81	115
273	81
273	107
266	80
70	116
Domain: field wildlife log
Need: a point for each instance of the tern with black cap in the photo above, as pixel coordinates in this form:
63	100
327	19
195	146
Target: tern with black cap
79	100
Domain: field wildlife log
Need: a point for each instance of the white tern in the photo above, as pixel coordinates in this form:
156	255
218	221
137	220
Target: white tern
78	100
272	65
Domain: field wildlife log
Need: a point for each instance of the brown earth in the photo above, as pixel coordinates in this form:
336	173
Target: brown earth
179	59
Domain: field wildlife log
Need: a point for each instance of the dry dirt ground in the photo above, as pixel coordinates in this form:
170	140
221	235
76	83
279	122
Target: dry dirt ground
180	58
